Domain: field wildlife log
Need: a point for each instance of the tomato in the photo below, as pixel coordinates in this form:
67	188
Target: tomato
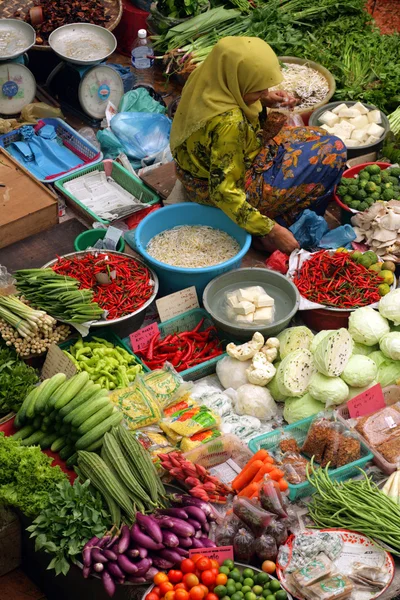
175	576
214	563
152	596
170	595
181	586
181	594
166	586
204	588
156	590
203	564
190	580
212	597
196	557
221	579
197	593
208	577
215	571
187	566
160	577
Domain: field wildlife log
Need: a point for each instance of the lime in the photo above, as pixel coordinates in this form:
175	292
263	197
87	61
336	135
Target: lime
230	589
261	578
246	589
281	595
274	586
257	589
237	596
383	289
230	581
238	585
387	276
270	597
250	596
224	570
248	573
221	591
376	267
266	592
228	563
372	256
226	598
235	575
248	581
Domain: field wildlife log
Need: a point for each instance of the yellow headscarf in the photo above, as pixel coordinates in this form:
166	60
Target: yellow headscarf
236	66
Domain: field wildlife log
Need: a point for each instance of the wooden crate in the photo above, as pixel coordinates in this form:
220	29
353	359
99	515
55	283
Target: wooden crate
10	542
26	205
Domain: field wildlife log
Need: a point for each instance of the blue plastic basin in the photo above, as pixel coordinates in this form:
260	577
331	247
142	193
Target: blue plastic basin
173	279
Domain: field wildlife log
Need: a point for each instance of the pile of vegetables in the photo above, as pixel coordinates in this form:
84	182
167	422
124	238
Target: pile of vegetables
29	331
27	479
16	381
66	415
58	295
373	184
107	365
249	480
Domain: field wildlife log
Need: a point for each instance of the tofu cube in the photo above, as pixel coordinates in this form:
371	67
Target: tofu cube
244	319
348	113
338	108
359	134
232	299
360	122
351	143
329	118
264	300
244	308
328	129
372	140
264	315
250	294
361	108
344	130
375	130
374	116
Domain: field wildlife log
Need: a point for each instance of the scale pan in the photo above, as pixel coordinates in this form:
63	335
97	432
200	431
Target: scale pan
82	43
16	37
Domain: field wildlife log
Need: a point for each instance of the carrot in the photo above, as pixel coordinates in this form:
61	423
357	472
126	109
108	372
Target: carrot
249	490
266	468
255	495
259	455
283	485
269	459
276	474
246	476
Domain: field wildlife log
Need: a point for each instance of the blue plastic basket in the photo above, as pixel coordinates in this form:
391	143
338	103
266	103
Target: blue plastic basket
173	279
76	143
270	441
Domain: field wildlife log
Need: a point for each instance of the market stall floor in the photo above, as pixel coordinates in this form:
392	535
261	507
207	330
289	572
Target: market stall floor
17	586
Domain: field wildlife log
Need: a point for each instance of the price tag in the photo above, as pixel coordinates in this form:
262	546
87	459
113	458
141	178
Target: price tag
220	554
141	338
177	304
57	362
367	402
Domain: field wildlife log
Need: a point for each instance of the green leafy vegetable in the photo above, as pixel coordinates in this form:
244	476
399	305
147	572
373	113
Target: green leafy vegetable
16	380
27	479
72	517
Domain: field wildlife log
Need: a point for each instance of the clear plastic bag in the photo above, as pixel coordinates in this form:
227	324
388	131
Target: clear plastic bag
332	446
349	449
315	442
244	545
295	467
278	530
226	532
143	135
266	548
250	512
271	498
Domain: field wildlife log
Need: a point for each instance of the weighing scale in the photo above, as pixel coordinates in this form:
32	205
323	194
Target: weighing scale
17	84
83	83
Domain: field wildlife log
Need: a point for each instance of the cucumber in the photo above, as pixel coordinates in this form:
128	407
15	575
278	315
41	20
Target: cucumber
64	429
57	394
34	439
88	391
25	432
47	389
95	419
77	383
73	460
48	440
66	452
69	418
98	432
88	409
44	427
22	413
96	445
37	422
58	444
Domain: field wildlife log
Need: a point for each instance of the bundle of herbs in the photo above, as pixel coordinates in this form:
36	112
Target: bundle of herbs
16	381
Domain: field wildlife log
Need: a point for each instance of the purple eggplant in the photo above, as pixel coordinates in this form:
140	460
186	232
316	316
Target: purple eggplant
97	556
124	540
115	571
178	513
182	552
126	565
137	579
183	528
92	542
112	541
108	583
86	572
150	573
171	555
143	552
133	553
164	521
87	556
110	555
199	534
185	542
162	563
197	543
195	524
98	567
207	543
205	527
150	527
101	543
120	581
143	566
141	539
183	500
170	539
196	513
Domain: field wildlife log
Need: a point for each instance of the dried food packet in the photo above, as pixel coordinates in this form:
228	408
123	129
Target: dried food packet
137	403
316	569
375	577
315	442
332	445
380	426
390	450
349	449
287	443
294	465
167	385
332	588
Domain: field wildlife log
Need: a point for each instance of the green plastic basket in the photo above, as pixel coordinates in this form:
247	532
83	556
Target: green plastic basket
127	180
299	430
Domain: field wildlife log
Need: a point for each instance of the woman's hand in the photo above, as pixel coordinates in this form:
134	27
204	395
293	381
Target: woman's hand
279	238
278	98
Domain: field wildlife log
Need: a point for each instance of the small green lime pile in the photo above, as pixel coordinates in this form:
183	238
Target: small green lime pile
370	261
248	585
371	185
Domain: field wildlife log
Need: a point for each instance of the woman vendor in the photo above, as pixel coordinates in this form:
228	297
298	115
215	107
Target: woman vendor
222	160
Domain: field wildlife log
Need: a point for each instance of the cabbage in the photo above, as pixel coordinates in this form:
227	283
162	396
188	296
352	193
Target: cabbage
367	326
354	391
293	339
390	345
274	389
388	369
363	349
331	390
389	306
294	373
301	408
333	352
359	371
318	338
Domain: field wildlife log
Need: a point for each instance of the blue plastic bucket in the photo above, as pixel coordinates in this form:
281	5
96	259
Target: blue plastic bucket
173	279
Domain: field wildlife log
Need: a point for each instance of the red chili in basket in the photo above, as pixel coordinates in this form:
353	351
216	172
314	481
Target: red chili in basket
131	287
336	280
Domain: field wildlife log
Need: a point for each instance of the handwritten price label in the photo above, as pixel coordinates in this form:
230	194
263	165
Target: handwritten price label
177	304
220	554
367	402
141	338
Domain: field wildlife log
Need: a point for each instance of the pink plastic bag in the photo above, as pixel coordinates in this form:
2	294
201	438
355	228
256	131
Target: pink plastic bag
271	498
251	513
278	261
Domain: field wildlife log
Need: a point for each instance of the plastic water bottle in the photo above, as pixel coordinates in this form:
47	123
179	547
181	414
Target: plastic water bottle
142	59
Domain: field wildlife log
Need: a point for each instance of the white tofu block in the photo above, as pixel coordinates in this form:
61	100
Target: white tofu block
230	314
329	118
348	112
244	319
232	299
244	308
361	108
351	143
264	300
375	130
328	129
359	134
250	294
374	116
264	315
371	140
338	108
344	130
360	122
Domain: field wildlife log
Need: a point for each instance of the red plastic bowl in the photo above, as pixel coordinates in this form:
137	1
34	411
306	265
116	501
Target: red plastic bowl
351	173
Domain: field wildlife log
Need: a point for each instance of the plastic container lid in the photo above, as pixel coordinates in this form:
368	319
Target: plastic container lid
142	34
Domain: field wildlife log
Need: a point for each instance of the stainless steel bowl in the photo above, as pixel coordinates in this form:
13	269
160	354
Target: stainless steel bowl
128	323
16	37
82	43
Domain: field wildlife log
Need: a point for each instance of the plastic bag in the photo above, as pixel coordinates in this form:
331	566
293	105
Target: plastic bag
244	545
232	372
309	229
295	467
256	401
349	449
271	498
227	530
139	100
137	403
278	261
315	442
111	146
142	134
252	514
125	74
341	237
191	420
266	548
278	530
39	110
294	120
167	385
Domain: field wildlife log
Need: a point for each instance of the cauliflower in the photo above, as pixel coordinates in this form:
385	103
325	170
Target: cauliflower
270	350
247	350
261	370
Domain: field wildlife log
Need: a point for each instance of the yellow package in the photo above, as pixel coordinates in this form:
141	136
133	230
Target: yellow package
192	420
166	384
188	443
154	442
138	404
172	437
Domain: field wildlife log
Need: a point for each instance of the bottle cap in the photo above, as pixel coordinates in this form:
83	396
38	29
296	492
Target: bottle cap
142	34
